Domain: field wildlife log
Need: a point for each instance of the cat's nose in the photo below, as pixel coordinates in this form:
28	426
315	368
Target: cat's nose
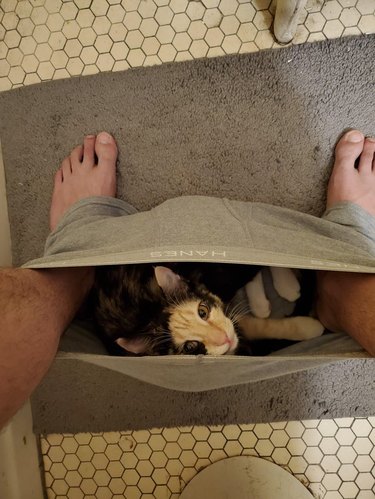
222	339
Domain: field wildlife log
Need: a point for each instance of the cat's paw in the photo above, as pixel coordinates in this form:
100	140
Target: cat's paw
286	283
309	328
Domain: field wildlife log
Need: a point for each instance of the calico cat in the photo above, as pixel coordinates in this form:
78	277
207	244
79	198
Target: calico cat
154	311
184	308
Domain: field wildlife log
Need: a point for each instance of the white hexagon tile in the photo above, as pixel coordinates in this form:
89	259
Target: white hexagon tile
50	39
335	459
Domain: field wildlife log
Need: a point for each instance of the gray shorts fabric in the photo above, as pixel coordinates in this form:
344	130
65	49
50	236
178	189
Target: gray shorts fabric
102	231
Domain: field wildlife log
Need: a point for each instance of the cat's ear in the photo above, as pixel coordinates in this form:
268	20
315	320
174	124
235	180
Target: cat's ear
134	345
167	279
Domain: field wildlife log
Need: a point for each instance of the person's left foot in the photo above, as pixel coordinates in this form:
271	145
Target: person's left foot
351	183
81	176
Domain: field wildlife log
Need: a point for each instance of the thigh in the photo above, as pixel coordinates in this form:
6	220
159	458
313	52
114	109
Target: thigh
346	303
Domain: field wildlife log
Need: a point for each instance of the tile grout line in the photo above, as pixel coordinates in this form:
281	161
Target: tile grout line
329	456
40	44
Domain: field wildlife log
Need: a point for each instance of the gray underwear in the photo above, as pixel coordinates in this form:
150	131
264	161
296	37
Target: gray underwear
100	231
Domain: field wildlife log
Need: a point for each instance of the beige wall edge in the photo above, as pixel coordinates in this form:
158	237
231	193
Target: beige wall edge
20	473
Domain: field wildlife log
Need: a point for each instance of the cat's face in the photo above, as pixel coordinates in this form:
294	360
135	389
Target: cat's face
202	327
197	322
195	319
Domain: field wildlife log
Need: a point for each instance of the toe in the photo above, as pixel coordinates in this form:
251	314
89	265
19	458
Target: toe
66	168
76	157
106	150
367	157
348	149
89	150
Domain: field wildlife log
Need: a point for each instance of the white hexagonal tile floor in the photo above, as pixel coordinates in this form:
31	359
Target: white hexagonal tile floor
50	39
333	458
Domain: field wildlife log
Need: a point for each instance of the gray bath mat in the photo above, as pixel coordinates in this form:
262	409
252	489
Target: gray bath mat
255	127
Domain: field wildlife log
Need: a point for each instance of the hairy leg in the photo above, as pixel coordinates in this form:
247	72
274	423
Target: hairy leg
346	301
37	306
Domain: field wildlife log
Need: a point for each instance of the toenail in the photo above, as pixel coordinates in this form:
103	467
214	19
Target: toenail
370	139
104	138
90	136
354	136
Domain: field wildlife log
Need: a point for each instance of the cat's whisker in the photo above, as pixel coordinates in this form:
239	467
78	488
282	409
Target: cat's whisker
227	306
242	307
238	306
240	315
240	303
235	323
236	319
240	312
174	301
162	338
243	310
164	334
161	342
177	300
161	333
157	341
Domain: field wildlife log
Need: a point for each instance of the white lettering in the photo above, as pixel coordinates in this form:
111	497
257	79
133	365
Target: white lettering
191	253
171	253
219	253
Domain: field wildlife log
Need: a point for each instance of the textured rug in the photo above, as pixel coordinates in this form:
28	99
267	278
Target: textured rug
256	127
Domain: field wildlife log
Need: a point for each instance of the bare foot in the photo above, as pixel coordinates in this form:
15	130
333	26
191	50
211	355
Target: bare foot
344	302
348	183
80	176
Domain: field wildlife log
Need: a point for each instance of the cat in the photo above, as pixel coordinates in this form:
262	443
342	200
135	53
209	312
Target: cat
152	310
184	308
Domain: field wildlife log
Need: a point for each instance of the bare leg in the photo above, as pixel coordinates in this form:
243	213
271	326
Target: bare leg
346	301
37	306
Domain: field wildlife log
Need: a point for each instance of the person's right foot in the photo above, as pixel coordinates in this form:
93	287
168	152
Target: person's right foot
348	183
81	175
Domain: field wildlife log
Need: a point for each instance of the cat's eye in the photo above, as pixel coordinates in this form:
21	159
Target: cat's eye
193	348
203	310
